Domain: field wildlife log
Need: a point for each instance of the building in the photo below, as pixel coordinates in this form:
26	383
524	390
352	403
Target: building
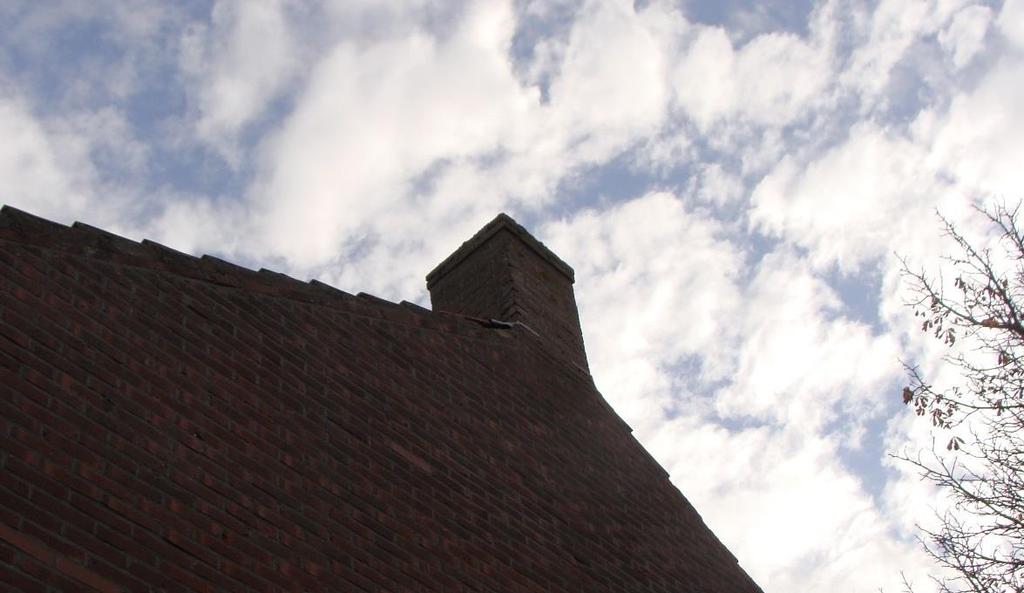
178	423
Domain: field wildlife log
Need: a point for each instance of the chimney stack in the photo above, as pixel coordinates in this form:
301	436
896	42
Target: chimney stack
504	273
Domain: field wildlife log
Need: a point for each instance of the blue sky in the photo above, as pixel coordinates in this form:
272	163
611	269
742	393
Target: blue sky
730	181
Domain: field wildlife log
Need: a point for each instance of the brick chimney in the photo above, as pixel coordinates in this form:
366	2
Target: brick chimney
503	273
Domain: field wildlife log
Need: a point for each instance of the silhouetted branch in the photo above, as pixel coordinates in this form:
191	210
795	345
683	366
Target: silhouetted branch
980	539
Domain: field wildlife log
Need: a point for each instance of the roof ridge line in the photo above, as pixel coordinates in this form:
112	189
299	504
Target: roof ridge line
83	240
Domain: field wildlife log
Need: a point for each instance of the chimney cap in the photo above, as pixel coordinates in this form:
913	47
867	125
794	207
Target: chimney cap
501	222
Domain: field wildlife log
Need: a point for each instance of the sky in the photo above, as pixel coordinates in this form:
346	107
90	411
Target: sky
732	182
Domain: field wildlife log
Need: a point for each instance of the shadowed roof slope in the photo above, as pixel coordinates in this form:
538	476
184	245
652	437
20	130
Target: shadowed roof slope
172	422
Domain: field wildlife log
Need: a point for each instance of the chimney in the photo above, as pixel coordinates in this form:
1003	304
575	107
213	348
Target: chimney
505	274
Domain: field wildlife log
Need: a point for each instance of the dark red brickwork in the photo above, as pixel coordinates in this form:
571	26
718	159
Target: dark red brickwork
504	273
172	423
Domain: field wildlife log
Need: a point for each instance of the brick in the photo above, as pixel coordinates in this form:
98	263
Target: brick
85	576
170	422
14	580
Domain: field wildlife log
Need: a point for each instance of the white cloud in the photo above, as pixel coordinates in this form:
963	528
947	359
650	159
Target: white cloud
72	167
802	364
965	35
55	39
851	204
373	118
704	82
888	34
239	63
716	185
44	173
670	148
187	222
978	140
612	80
792	514
448	107
1011	22
657	286
770	81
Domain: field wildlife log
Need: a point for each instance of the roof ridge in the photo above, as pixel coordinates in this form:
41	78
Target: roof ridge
80	239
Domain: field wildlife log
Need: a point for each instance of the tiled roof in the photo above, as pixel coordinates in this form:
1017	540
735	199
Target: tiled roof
180	423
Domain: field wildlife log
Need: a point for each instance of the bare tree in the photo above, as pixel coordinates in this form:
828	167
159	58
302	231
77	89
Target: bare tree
980	538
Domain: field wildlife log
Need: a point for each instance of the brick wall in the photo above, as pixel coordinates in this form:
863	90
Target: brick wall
172	423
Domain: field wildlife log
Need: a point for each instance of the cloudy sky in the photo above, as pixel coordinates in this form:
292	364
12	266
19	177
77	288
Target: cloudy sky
730	180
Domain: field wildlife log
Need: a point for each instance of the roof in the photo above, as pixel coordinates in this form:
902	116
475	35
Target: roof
180	422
